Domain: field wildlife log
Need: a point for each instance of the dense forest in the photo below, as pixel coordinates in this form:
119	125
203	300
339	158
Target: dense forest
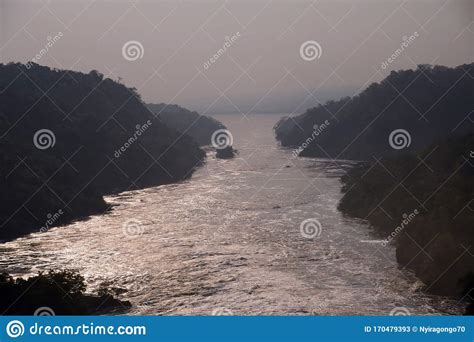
199	127
423	204
67	138
430	103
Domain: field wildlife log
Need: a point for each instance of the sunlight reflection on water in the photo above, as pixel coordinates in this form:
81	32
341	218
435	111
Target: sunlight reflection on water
229	239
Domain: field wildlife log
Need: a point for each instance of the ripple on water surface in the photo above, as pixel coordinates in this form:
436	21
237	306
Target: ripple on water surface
228	241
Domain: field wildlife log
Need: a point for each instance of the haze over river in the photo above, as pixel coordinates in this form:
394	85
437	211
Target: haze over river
228	240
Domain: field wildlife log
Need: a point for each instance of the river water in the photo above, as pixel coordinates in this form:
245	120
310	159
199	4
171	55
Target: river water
228	241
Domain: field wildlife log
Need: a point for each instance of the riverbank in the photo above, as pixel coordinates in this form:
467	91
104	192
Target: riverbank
90	137
229	239
55	293
359	127
415	184
420	204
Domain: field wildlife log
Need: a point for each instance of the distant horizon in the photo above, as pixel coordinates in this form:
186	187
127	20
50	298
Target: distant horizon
231	56
321	101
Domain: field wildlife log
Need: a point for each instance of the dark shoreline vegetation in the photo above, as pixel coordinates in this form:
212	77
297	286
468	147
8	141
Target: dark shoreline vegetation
199	127
430	102
226	153
104	140
62	292
418	203
417	198
98	138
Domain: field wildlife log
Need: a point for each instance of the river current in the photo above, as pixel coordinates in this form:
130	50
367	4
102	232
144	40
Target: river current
228	241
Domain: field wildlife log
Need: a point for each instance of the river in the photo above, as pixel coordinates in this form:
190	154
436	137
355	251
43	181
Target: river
228	241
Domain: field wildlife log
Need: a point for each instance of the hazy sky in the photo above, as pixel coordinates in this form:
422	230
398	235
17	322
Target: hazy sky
262	70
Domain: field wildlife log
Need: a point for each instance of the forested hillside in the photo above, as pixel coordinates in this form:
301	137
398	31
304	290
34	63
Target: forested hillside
430	103
67	138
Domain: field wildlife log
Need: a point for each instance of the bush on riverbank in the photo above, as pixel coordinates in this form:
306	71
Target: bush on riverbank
63	292
226	153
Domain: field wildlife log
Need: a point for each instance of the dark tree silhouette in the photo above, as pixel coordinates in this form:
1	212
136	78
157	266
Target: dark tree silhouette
106	141
430	102
60	291
199	127
439	184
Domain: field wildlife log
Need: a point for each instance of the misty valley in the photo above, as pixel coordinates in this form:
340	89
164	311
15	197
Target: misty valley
194	232
233	158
